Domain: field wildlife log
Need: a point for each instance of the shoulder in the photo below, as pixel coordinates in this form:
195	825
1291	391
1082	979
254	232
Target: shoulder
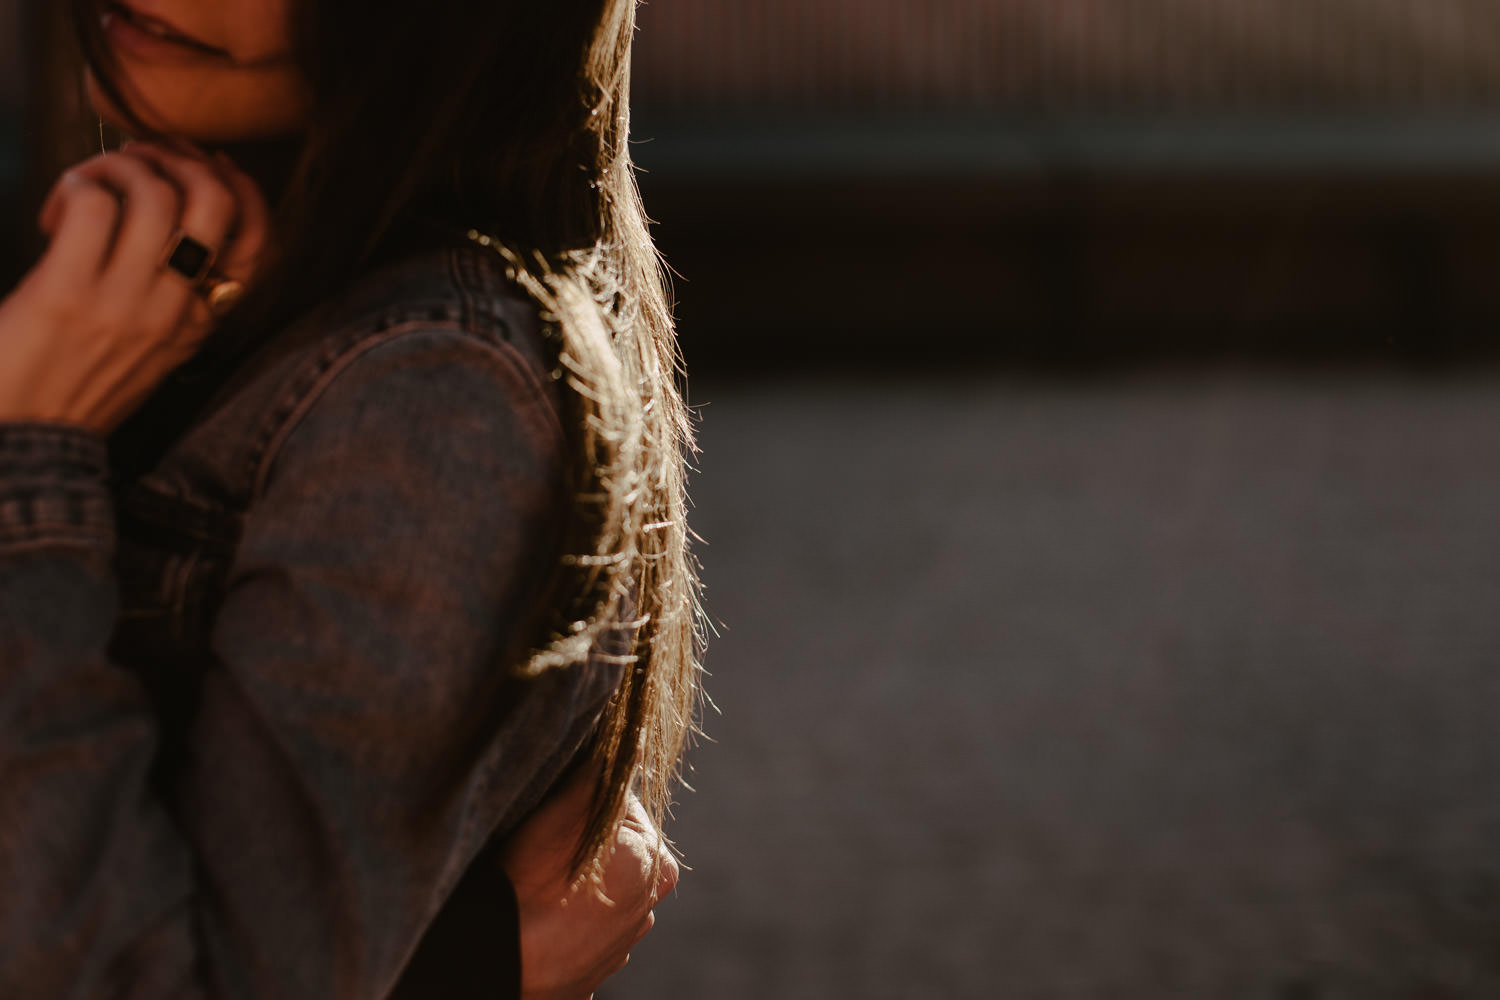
432	341
408	485
433	389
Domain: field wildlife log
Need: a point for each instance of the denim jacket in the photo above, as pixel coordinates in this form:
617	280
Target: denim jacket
259	734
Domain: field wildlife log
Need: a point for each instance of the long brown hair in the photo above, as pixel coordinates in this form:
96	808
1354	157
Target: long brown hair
512	117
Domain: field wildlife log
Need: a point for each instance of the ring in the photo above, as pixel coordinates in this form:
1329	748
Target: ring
188	257
221	293
194	261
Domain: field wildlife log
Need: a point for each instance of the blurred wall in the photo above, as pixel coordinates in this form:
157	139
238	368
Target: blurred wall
1072	53
1075	180
11	70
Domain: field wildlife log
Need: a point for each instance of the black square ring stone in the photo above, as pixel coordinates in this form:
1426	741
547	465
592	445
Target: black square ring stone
190	258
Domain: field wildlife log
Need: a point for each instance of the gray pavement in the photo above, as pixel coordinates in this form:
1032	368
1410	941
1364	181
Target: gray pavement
1156	685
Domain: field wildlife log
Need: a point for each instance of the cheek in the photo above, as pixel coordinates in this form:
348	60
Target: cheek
208	106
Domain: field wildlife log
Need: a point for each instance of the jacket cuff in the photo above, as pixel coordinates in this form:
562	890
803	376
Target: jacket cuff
54	486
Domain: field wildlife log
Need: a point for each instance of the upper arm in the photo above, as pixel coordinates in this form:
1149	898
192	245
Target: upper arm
359	736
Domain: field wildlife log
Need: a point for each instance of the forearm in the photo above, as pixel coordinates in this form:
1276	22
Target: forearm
98	883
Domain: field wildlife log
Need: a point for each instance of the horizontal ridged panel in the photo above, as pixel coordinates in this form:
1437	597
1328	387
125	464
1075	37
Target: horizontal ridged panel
1070	53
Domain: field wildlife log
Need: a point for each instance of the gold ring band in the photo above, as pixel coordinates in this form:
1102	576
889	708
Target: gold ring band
194	261
221	294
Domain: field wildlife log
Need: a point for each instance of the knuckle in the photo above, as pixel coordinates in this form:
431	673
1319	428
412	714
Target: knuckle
159	191
74	189
92	203
667	880
95	164
214	201
142	178
191	167
206	186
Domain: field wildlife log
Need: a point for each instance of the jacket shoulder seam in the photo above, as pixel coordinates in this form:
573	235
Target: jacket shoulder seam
331	364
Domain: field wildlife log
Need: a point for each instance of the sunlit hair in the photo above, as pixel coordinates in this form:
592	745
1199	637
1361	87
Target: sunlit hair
512	118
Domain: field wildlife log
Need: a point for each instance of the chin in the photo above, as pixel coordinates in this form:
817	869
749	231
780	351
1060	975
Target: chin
112	115
232	118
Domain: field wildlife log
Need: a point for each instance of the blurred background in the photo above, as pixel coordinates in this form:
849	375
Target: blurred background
1100	412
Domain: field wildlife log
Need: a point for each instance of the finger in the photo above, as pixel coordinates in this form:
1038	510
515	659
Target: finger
253	227
85	217
667	871
47	215
210	212
209	206
151	206
665	862
645	928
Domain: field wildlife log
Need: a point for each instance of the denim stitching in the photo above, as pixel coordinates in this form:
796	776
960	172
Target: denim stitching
329	369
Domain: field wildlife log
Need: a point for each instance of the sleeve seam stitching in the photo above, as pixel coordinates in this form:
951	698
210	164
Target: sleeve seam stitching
504	352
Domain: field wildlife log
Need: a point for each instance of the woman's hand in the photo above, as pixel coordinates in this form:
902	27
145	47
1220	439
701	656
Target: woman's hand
571	939
97	324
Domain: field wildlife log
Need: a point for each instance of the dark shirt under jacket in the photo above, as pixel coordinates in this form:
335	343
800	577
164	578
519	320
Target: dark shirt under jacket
257	732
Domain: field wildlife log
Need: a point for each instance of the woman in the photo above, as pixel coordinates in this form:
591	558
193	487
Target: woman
341	513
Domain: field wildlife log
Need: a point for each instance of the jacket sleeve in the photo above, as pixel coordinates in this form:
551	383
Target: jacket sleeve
358	737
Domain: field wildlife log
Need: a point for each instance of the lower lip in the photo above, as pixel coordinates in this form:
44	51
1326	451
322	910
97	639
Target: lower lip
127	39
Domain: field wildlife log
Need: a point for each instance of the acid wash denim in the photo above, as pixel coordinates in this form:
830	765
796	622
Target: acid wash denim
258	735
